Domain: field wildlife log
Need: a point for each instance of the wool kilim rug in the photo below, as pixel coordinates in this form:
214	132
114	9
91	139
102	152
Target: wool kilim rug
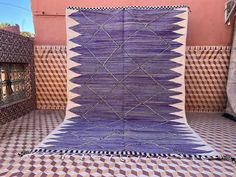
125	87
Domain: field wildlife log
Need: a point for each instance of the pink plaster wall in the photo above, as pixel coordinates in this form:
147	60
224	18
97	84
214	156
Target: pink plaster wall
206	21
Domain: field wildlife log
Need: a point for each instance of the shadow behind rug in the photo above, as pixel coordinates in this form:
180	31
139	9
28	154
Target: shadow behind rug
126	89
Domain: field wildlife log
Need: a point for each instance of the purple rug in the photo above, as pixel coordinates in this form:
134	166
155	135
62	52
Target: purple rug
126	91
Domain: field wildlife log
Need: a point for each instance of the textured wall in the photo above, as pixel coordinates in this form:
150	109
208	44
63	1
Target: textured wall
206	78
206	74
206	20
15	48
50	72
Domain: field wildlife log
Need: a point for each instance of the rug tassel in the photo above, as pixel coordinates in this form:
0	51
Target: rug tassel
23	153
229	158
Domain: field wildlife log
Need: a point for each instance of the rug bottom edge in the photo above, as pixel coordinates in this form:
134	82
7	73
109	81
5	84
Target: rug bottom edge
65	152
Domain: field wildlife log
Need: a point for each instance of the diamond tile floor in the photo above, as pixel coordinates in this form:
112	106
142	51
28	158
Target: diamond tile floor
27	131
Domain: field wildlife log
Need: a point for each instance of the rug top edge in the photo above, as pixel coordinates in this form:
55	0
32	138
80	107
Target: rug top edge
171	7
